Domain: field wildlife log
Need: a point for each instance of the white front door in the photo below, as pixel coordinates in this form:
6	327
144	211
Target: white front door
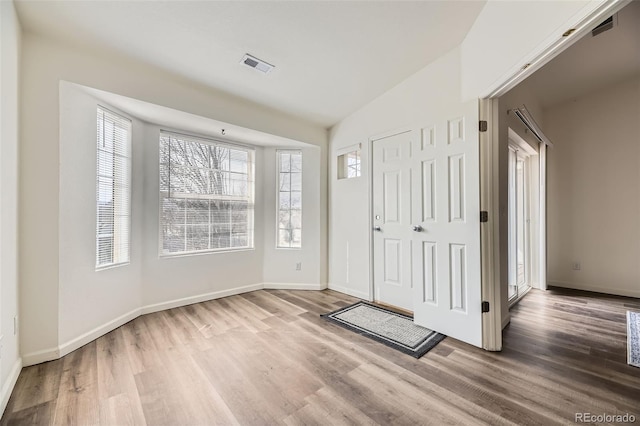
446	212
392	221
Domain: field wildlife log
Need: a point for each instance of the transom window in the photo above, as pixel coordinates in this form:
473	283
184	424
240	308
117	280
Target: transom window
289	199
206	195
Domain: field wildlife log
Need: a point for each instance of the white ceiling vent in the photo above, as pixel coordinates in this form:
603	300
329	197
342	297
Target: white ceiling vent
257	64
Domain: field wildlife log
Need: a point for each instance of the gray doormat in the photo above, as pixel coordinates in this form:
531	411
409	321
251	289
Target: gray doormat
633	338
395	330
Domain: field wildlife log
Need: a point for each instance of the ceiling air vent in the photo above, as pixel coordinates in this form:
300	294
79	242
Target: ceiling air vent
257	64
608	23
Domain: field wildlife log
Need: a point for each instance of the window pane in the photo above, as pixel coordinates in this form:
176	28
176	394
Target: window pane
197	212
283	218
285	200
296	219
219	158
296	162
296	181
173	238
289	199
113	188
197	237
285	162
285	182
211	195
238	161
296	200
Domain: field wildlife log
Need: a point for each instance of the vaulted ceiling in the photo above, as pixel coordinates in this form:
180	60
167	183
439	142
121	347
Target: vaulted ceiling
331	57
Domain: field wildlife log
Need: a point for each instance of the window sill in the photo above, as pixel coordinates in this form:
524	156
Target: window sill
205	252
111	266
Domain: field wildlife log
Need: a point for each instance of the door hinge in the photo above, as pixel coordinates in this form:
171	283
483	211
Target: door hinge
485	307
483	125
484	216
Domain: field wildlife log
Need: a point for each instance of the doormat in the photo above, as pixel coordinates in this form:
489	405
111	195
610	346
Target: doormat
633	338
390	328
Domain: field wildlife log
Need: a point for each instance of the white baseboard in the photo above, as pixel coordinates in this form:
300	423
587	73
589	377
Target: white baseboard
70	346
349	291
8	386
198	298
293	286
41	356
92	335
595	288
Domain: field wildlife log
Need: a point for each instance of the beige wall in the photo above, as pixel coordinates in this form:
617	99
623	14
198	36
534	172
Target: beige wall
594	191
10	50
53	300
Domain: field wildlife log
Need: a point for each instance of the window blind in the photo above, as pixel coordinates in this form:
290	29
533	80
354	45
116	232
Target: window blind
206	195
289	199
113	188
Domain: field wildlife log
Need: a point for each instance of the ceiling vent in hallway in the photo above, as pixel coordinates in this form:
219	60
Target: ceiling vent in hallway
608	24
257	64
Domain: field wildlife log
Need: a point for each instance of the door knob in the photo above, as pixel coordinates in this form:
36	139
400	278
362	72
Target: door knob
377	228
417	228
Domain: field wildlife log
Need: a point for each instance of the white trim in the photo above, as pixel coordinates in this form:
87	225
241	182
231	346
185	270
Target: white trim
555	44
355	293
63	349
596	289
492	323
38	357
92	335
293	286
198	298
9	384
348	149
542	225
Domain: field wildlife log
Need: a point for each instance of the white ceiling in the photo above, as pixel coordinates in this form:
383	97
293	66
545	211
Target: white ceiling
591	63
331	57
171	119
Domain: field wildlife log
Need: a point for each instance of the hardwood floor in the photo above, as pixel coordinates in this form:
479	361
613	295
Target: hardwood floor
267	357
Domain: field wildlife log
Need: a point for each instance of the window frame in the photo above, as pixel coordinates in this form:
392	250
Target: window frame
129	178
252	154
277	221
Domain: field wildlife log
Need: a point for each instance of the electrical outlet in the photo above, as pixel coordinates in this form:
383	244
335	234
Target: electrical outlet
576	266
299	266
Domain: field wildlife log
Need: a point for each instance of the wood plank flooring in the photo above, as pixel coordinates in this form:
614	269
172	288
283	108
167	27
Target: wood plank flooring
267	358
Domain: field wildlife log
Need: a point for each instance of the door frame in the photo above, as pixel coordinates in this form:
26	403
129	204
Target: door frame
490	230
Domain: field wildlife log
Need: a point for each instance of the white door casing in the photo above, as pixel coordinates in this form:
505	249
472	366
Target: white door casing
446	247
391	179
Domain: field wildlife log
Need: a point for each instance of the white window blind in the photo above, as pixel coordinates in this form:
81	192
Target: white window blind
113	189
206	195
289	199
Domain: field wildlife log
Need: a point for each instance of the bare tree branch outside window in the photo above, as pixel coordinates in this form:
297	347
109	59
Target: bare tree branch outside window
206	190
